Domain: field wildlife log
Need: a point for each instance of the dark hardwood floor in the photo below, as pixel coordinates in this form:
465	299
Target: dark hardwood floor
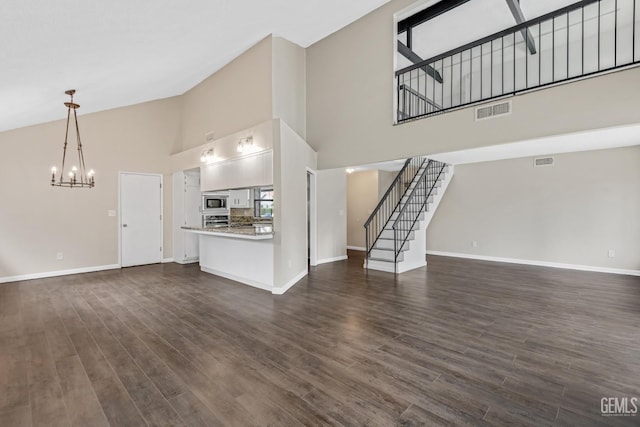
464	343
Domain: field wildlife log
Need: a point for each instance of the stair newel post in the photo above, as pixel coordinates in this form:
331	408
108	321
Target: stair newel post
395	249
366	254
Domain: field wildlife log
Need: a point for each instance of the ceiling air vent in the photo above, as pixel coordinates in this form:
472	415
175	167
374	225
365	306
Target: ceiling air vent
208	136
543	161
491	111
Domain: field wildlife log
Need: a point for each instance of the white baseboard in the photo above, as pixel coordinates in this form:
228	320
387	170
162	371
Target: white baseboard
405	266
539	263
167	260
281	290
357	248
255	284
58	273
189	261
328	260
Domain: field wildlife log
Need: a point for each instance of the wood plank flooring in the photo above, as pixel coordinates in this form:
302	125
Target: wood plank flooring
464	343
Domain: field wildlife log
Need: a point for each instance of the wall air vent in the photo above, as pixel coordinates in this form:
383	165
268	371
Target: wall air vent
543	161
492	111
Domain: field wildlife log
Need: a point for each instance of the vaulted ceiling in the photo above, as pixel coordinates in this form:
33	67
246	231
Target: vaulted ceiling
470	21
123	52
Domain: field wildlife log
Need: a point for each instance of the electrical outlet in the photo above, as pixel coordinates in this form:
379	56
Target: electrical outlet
474	243
60	256
111	212
612	253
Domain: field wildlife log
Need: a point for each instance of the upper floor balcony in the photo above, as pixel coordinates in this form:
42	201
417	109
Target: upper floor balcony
576	41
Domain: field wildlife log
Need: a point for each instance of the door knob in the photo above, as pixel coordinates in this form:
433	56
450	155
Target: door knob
124	225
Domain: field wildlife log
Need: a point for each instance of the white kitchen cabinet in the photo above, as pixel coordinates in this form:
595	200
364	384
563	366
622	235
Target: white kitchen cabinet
240	198
186	212
255	170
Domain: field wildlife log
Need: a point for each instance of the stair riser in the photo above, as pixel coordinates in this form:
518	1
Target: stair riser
388	244
385	255
388	234
406	215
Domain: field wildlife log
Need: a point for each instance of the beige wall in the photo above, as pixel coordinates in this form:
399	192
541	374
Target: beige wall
234	98
225	147
364	191
350	112
37	221
362	198
289	85
571	213
331	185
292	157
384	181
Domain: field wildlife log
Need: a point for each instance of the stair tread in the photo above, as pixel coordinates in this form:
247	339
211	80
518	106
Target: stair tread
404	248
381	259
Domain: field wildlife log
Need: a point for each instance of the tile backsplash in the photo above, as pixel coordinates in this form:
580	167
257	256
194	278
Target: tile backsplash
236	212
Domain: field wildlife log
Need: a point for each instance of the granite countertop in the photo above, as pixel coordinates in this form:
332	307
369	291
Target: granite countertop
263	231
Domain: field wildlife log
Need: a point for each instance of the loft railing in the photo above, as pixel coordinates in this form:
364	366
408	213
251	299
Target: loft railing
389	202
415	204
585	38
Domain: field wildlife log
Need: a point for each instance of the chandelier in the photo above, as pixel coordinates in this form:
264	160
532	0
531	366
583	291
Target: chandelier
77	175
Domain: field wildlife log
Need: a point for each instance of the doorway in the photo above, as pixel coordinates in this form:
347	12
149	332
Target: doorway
140	219
312	219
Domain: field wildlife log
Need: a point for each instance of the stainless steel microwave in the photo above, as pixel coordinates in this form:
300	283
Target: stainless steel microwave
215	202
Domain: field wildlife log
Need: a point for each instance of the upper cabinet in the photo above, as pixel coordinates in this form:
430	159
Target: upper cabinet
240	198
251	171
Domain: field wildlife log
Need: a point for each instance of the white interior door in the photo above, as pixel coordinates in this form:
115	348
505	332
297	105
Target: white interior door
140	219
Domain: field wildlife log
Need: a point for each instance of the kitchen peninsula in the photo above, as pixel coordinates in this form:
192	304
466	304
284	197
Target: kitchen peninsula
243	253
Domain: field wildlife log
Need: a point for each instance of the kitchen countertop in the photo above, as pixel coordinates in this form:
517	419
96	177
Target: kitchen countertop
255	232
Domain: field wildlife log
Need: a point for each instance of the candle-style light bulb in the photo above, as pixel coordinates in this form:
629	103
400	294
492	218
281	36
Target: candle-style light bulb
91	173
70	174
54	170
74	169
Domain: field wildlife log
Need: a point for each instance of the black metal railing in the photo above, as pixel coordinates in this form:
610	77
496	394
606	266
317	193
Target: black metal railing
585	38
415	204
389	202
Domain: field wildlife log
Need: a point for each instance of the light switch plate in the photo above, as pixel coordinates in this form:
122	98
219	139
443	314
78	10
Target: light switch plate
111	212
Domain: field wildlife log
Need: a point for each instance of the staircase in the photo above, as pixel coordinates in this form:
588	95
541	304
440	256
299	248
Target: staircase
396	230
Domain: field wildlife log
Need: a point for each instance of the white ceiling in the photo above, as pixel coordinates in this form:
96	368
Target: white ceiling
470	22
123	52
601	139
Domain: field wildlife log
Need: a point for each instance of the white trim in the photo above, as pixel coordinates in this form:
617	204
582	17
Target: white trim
313	244
255	284
210	144
281	290
328	260
167	260
186	261
539	263
387	267
405	266
58	273
357	248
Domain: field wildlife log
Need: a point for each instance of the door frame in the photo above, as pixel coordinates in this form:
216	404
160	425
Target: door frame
120	173
313	220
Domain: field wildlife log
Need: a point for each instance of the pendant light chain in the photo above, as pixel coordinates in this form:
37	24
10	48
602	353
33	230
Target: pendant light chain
86	179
